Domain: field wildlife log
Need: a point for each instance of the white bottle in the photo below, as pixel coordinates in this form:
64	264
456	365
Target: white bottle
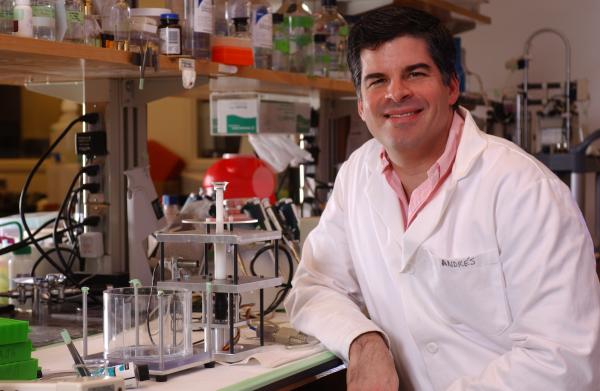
23	17
261	29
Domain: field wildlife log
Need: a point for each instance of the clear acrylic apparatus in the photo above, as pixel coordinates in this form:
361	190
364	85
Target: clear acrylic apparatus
147	325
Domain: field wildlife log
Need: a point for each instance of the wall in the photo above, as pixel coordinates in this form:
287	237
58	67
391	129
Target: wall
488	47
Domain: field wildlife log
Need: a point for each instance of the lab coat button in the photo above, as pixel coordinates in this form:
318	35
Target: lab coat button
432	347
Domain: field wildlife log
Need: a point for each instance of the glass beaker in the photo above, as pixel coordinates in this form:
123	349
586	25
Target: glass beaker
44	19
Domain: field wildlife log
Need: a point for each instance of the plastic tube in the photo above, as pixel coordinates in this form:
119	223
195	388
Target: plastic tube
220	255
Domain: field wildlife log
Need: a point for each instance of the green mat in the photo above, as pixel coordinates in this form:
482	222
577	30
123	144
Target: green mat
13	352
13	331
21	370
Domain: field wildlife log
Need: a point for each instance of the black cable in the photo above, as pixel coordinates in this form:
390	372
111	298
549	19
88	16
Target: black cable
89	118
42	257
282	293
63	205
25	242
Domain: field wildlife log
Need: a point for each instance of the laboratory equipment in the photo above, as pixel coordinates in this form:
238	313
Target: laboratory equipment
151	326
220	292
523	125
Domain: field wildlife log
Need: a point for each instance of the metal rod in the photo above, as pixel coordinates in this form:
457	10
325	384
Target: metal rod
206	248
84	310
161	272
235	263
231	341
160	294
261	310
276	250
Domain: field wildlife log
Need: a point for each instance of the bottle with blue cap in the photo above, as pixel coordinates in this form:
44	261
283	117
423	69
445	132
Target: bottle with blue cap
169	32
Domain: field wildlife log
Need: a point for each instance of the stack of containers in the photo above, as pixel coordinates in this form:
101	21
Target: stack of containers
15	351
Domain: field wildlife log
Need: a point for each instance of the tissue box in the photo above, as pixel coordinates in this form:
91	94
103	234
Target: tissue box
234	114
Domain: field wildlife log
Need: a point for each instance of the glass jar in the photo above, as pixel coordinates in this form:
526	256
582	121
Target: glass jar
44	19
75	21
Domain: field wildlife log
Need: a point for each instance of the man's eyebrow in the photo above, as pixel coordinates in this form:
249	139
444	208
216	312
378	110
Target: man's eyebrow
414	67
375	75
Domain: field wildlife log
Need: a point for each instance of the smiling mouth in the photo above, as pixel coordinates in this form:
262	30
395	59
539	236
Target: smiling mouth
403	115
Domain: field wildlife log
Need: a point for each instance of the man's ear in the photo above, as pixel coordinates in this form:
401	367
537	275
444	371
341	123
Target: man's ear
454	90
361	111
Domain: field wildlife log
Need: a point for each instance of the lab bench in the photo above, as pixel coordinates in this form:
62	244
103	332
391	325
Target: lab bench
321	370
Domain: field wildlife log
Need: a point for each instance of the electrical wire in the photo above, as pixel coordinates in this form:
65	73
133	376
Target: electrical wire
89	118
282	293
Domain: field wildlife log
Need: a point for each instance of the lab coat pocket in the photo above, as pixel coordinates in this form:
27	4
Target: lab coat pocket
470	290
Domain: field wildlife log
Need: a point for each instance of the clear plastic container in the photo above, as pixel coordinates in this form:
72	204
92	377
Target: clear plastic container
261	30
118	20
300	24
135	325
44	19
75	21
198	28
281	45
330	36
6	16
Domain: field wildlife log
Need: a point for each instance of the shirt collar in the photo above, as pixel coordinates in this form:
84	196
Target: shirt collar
446	159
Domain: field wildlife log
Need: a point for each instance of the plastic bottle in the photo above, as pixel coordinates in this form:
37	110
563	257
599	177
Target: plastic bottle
281	45
169	32
300	25
199	26
330	33
44	19
91	26
238	18
75	21
119	19
6	16
261	29
170	208
23	17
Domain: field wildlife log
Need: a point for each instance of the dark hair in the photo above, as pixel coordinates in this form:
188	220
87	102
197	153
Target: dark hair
388	23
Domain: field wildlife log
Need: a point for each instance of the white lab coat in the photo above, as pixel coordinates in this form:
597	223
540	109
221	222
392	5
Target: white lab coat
492	286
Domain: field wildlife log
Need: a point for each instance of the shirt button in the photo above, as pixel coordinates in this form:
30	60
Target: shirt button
432	347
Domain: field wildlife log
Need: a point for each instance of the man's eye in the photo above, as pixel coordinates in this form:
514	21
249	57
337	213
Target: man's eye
415	74
375	82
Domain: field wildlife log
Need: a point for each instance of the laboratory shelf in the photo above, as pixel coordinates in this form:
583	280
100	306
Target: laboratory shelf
27	60
245	284
239	236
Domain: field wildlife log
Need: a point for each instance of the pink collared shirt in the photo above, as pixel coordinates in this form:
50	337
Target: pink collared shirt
436	175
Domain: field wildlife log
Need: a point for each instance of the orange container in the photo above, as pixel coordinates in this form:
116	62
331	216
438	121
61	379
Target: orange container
232	51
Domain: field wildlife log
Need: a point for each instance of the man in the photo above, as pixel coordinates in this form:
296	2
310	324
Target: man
446	258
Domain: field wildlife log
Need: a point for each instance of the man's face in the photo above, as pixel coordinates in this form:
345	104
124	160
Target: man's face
404	101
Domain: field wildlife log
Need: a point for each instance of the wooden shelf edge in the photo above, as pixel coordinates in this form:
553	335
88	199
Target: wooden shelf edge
444	4
68	50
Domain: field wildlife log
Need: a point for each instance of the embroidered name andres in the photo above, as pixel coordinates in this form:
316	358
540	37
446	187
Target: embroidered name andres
466	262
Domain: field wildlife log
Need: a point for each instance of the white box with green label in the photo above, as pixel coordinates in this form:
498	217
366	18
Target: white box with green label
234	114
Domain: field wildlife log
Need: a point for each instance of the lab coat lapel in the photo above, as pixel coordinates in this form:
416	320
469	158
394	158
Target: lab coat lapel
471	146
389	227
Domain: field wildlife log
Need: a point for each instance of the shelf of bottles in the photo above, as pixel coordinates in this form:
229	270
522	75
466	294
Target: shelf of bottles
301	44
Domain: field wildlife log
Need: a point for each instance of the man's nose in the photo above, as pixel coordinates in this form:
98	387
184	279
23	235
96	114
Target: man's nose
398	90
